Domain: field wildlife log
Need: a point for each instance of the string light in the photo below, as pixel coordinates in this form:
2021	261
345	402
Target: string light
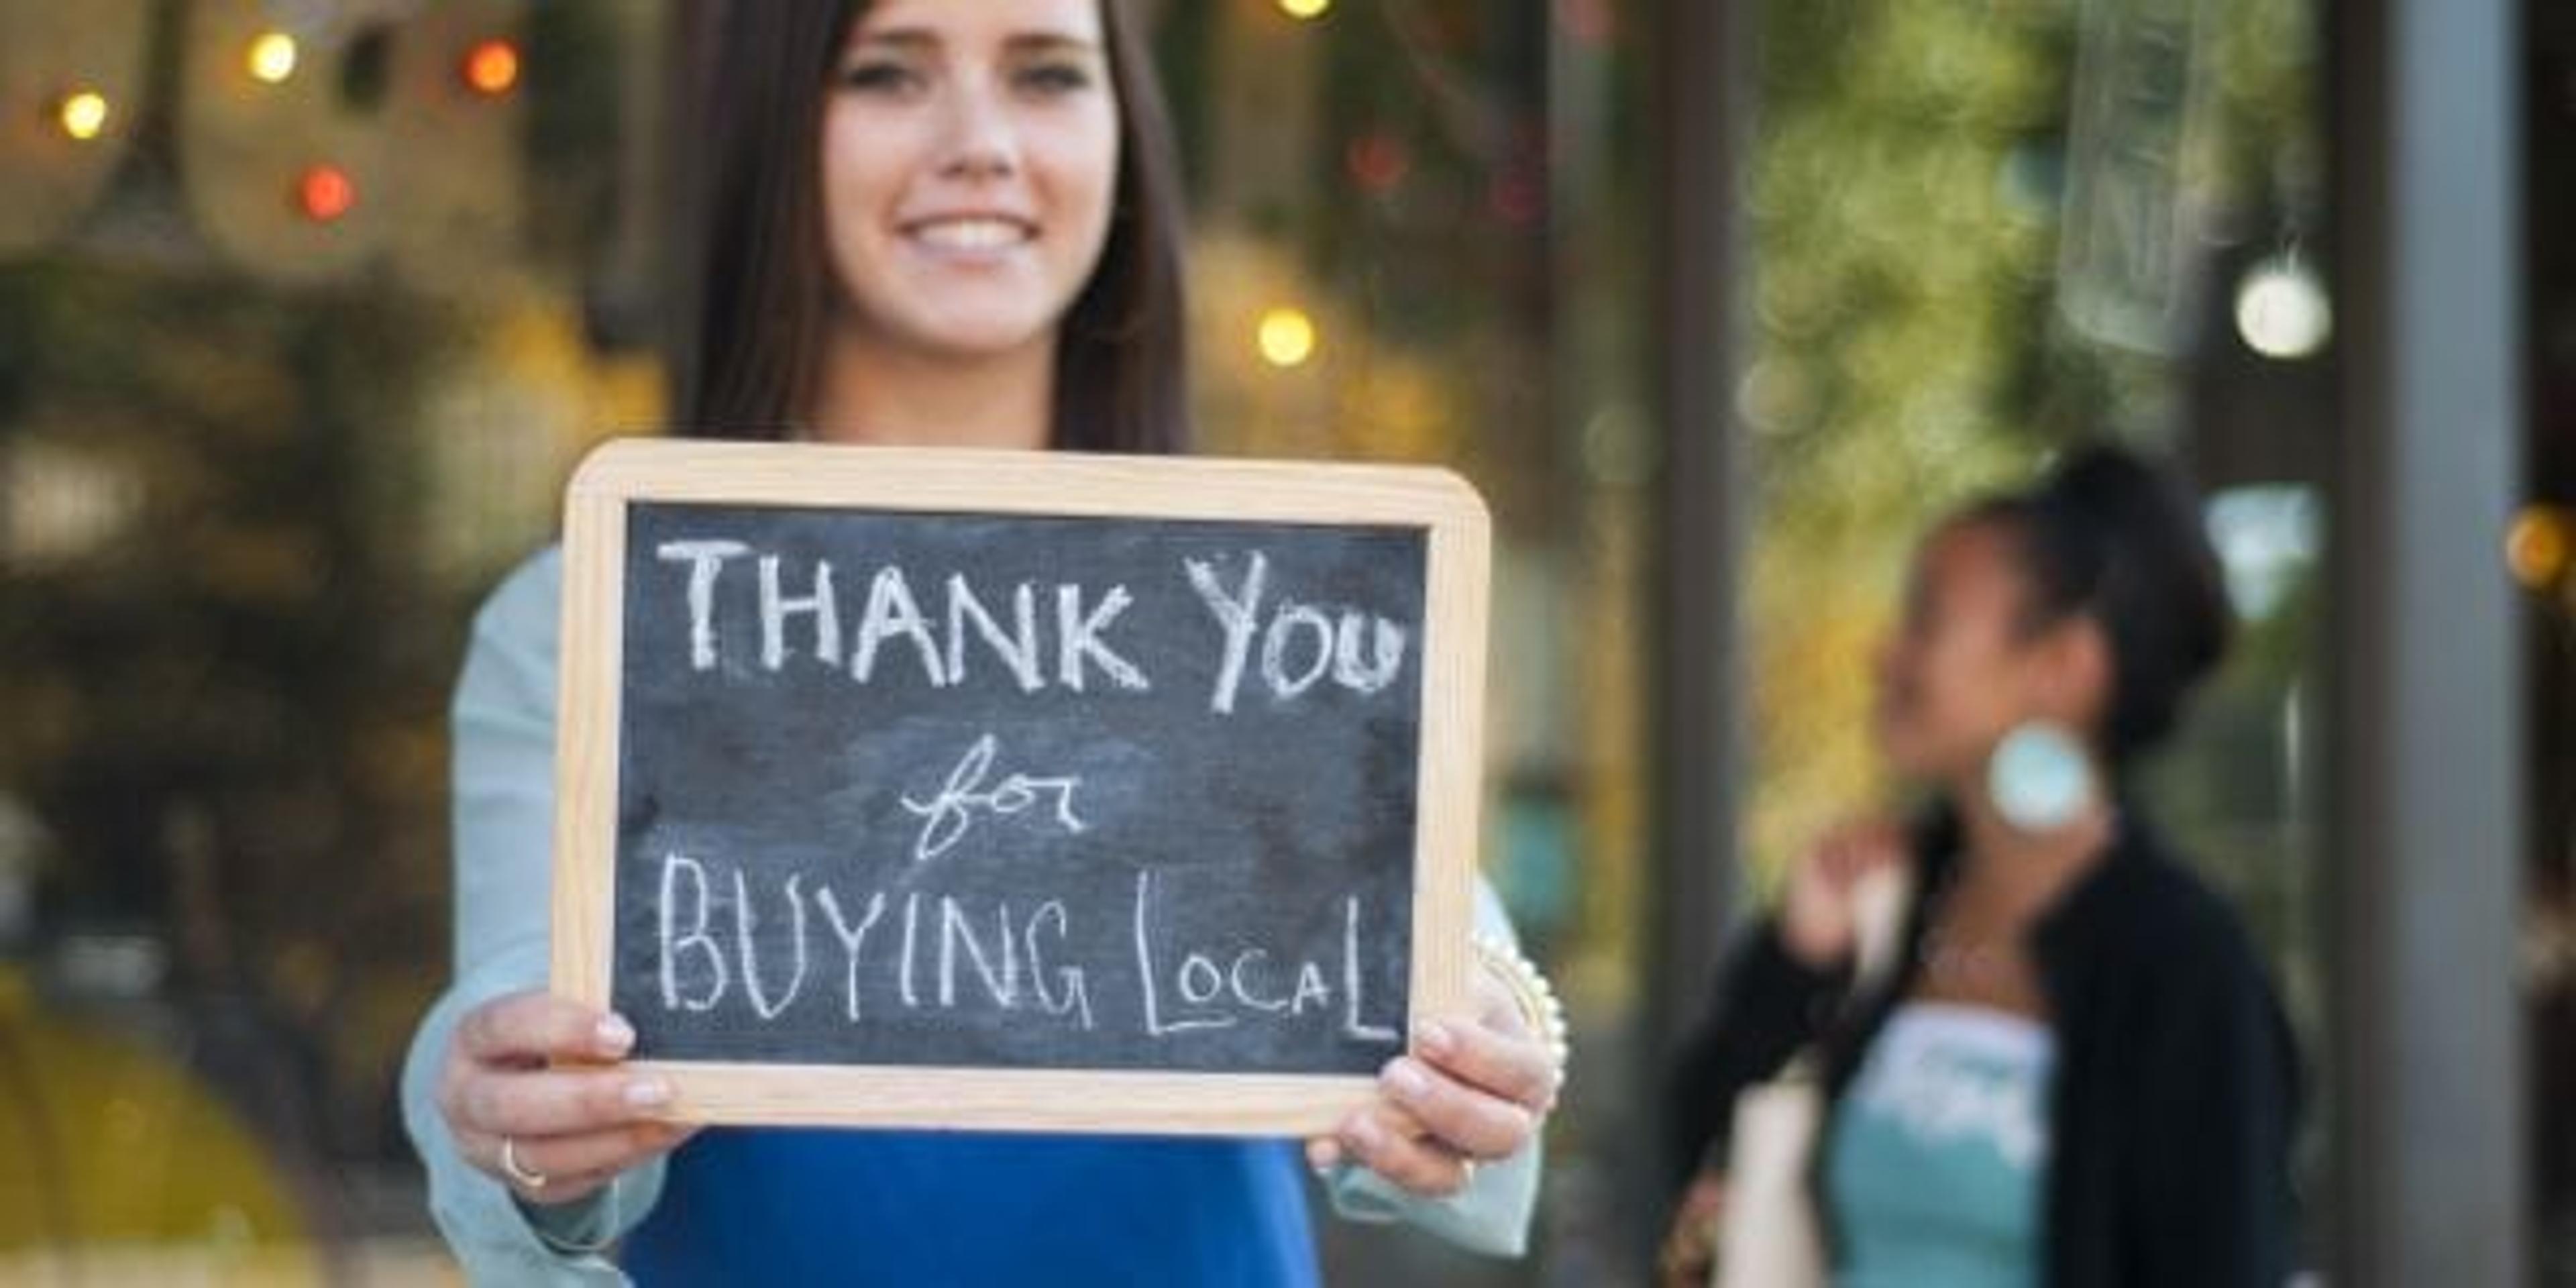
326	193
83	115
1305	10
271	58
1286	337
492	67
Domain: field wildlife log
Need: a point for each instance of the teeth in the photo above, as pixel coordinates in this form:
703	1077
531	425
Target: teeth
972	234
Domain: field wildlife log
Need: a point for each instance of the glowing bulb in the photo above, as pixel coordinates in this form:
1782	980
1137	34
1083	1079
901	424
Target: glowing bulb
2539	546
2282	311
1287	337
492	67
271	59
326	193
1305	10
83	115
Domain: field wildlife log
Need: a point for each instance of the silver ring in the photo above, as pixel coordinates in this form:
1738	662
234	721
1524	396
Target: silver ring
517	1171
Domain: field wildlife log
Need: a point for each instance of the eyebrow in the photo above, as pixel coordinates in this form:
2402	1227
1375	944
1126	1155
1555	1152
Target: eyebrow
917	38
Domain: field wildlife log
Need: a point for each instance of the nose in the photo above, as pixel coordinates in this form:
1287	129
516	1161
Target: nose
979	142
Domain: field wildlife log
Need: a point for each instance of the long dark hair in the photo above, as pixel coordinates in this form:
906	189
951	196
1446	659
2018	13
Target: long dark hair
756	280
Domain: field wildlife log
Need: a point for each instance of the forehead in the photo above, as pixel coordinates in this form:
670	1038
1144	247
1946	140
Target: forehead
1971	559
971	23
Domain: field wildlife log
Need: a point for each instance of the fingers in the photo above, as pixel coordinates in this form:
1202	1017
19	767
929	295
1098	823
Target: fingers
1690	1247
527	1069
552	1102
1389	1141
1465	1119
576	1164
1471	1093
1856	849
1503	1061
532	1028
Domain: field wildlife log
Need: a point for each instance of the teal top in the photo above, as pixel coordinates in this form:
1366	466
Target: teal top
1934	1169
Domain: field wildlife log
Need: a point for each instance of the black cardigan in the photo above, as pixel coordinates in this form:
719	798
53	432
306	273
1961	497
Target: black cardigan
2175	1096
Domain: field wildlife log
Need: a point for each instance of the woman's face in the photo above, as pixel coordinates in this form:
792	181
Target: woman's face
969	169
1964	668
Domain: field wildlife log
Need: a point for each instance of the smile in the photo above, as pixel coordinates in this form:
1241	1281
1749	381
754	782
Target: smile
972	234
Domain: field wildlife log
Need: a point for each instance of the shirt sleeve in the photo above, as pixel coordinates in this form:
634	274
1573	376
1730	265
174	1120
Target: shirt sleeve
503	728
1492	1215
2210	1162
1766	1007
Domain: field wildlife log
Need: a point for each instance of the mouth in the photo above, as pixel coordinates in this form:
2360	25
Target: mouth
978	234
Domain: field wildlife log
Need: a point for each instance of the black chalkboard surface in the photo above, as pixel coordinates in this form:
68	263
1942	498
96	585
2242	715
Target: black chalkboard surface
1016	789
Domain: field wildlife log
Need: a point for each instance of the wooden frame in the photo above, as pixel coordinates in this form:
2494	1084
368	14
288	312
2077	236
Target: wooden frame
1449	781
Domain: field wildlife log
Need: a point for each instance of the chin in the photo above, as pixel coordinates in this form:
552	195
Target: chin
973	338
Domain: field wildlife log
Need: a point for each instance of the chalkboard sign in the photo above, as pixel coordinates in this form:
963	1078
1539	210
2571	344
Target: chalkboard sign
1025	790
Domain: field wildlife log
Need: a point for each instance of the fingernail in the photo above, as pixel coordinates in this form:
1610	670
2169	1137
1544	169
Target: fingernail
1323	1155
648	1094
1435	1037
1408	1080
616	1035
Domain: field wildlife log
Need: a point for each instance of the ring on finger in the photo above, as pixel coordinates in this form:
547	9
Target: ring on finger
520	1173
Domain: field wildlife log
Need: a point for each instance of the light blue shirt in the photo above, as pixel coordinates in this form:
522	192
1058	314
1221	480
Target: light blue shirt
1938	1151
504	740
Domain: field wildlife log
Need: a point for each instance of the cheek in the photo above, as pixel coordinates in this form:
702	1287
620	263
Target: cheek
1972	687
863	161
1076	160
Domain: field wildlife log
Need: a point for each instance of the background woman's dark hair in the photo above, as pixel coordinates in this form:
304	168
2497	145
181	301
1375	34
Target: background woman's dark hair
2109	536
756	278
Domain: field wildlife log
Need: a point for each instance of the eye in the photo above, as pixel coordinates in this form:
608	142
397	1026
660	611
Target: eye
1051	79
879	76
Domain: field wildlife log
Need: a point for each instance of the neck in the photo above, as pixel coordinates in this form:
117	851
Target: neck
881	395
2028	867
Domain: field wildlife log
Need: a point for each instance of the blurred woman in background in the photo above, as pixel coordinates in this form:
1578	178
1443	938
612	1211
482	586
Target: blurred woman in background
2074	1071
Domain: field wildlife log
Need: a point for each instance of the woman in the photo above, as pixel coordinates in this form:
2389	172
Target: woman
2076	1073
932	224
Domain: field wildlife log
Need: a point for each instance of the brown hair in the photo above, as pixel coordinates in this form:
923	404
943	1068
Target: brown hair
756	278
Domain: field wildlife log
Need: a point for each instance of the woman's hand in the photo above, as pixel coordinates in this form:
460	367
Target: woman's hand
1690	1248
1819	916
1470	1092
571	1128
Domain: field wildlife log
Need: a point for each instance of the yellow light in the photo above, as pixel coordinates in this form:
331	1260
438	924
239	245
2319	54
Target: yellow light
1287	337
2539	546
84	114
1305	10
272	58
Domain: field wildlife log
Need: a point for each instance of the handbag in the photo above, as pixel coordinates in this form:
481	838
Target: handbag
1768	1235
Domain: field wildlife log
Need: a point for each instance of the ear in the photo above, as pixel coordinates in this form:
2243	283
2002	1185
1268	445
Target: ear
2073	672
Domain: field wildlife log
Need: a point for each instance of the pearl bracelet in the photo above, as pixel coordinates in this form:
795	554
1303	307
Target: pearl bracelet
1531	993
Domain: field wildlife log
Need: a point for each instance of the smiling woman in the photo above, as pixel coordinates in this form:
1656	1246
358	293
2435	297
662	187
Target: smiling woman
991	185
963	216
951	225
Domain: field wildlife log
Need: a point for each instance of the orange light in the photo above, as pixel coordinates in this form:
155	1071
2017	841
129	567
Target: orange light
326	193
82	115
492	67
2540	546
